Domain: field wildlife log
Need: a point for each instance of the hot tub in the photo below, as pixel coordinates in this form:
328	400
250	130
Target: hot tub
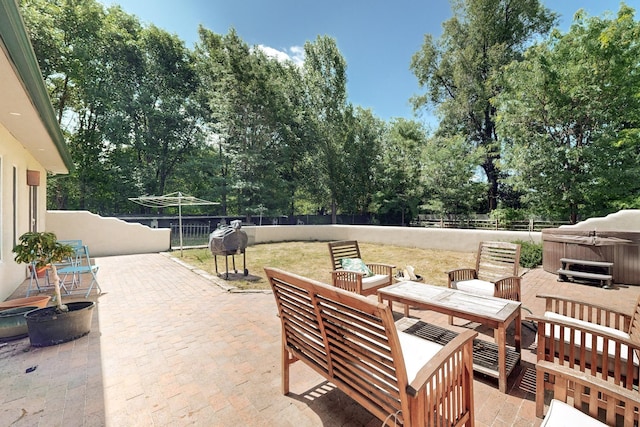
622	248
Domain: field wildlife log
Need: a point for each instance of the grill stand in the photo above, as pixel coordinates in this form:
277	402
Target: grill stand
233	261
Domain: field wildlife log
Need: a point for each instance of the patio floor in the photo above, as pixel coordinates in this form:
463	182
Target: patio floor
169	346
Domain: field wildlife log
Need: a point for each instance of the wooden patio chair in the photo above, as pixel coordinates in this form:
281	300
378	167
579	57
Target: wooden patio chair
363	281
496	272
592	340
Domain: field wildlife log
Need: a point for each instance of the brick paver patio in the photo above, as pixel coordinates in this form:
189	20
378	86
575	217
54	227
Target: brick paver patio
169	347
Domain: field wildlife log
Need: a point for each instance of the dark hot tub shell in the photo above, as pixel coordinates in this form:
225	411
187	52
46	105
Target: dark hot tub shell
620	247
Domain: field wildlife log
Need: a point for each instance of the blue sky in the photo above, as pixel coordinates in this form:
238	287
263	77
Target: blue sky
376	37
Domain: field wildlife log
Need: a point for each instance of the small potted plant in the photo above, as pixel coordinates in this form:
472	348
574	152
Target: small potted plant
62	322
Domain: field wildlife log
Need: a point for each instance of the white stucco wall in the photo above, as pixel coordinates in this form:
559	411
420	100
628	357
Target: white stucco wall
107	236
418	237
624	220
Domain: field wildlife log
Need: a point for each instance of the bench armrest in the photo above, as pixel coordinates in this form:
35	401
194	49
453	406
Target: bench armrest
427	377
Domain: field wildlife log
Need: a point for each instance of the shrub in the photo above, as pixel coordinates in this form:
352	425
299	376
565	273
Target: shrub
530	253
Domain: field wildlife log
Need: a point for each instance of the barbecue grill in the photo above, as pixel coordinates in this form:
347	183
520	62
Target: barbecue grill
229	241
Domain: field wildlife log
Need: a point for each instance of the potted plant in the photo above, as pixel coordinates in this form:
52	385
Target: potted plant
62	322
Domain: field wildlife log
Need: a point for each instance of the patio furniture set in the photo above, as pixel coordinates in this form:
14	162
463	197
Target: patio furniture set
421	374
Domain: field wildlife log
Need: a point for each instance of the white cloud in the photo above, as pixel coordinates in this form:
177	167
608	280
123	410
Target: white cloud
295	54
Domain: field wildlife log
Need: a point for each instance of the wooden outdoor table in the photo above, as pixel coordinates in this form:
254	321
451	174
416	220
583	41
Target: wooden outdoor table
496	313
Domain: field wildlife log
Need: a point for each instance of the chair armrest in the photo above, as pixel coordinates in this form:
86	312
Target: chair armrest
347	280
378	268
442	360
461	274
589	312
509	288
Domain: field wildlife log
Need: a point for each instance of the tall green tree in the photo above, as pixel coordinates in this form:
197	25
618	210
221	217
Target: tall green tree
570	113
448	177
399	191
253	107
361	156
325	80
460	71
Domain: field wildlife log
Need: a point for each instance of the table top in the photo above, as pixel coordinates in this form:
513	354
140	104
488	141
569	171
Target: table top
452	299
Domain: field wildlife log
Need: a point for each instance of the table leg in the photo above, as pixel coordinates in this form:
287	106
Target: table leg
518	332
389	302
502	358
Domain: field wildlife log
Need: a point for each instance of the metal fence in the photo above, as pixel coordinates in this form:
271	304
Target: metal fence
193	234
485	223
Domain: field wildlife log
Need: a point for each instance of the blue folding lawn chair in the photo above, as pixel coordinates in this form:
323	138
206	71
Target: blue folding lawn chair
71	274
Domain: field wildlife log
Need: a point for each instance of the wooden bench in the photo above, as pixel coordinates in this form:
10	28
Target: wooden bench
577	268
353	342
356	281
589	338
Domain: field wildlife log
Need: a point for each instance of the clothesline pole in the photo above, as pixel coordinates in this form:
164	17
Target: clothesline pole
180	220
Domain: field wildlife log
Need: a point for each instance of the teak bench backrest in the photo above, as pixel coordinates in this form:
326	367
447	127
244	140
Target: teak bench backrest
353	342
497	260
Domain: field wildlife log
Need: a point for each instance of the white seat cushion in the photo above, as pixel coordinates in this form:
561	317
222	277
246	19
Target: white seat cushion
562	415
475	286
374	281
416	352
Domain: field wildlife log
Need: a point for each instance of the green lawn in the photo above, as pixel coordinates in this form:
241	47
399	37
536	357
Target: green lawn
311	259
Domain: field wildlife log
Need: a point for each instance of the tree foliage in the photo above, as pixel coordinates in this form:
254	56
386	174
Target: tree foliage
144	114
570	116
460	71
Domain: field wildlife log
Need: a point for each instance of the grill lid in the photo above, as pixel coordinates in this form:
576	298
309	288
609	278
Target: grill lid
228	240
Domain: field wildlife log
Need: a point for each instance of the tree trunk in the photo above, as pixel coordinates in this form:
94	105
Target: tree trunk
492	179
334	219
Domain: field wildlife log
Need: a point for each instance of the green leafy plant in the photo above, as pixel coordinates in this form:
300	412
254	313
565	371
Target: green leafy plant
43	249
530	253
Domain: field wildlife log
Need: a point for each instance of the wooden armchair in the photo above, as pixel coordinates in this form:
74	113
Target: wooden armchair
495	274
356	281
593	340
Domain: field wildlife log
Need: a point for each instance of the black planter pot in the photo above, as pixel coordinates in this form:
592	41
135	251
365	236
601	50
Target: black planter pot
48	327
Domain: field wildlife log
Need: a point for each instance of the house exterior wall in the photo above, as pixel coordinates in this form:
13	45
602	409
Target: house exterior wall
13	155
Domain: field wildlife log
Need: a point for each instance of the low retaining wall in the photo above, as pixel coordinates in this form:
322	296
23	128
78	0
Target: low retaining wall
450	239
111	236
107	236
